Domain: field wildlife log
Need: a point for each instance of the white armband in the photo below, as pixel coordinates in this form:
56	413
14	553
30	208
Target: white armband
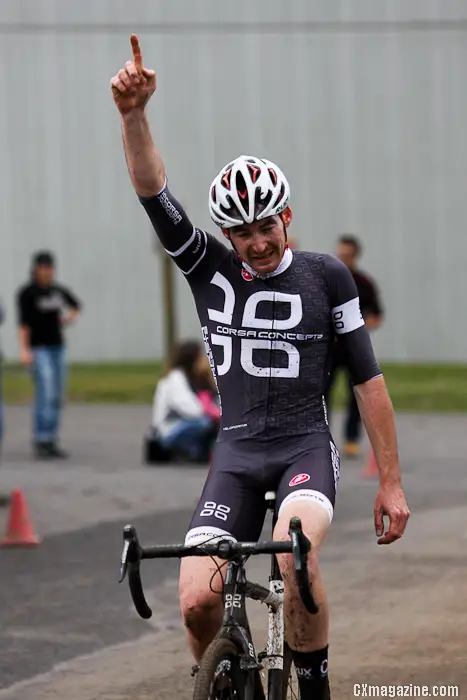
347	317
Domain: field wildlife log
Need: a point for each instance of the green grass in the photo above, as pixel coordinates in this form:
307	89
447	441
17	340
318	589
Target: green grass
427	387
416	387
95	383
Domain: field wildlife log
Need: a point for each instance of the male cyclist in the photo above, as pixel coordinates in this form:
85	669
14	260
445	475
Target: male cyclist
268	317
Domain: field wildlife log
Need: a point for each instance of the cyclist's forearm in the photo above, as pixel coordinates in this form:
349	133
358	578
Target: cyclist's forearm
144	161
377	413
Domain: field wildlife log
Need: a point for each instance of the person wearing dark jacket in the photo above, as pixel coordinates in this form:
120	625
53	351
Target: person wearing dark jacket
44	308
348	251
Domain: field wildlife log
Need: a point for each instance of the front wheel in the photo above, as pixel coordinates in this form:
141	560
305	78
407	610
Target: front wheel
219	676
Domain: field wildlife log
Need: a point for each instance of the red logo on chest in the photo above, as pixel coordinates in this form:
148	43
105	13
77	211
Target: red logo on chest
247	275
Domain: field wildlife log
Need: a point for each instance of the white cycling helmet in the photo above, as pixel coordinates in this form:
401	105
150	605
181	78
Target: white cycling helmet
247	189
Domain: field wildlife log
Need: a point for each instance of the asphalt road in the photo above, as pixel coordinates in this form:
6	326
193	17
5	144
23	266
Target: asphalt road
67	629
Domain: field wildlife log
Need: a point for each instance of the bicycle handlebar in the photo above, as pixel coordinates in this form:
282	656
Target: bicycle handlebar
133	553
301	547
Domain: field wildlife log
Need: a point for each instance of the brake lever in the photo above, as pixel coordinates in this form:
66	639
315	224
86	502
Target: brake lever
300	543
131	550
124	563
301	547
131	559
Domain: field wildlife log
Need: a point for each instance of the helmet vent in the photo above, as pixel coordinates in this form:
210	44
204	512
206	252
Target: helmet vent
240	185
254	172
226	179
273	175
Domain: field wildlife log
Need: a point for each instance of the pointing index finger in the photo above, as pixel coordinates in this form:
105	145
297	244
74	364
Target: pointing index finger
137	55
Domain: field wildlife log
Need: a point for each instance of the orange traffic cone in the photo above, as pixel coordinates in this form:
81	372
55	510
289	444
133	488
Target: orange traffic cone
20	531
370	470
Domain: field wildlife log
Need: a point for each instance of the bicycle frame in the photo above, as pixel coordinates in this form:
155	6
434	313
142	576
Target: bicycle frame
235	624
236	588
275	642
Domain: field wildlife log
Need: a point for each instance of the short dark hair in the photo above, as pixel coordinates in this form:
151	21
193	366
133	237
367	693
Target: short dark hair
43	257
349	239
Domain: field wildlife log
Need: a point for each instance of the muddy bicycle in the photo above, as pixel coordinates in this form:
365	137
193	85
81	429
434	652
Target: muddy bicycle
230	667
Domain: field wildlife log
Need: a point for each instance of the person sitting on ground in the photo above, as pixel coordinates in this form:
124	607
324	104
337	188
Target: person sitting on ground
185	415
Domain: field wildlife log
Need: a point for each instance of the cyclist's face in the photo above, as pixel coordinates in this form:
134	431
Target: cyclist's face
262	243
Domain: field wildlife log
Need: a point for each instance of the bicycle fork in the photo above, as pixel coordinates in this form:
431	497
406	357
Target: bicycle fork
274	655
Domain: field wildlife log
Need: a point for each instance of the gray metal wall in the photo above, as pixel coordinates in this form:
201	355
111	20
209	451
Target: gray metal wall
363	105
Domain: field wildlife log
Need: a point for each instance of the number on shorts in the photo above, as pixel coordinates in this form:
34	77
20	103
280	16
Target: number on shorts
217	510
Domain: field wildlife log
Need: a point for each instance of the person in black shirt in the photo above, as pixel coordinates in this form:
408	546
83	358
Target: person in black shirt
348	251
44	308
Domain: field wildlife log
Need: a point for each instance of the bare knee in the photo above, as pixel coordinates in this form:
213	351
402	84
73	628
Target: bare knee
200	606
315	524
197	607
315	521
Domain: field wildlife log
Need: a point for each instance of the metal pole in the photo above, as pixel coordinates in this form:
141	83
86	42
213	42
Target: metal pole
169	305
168	296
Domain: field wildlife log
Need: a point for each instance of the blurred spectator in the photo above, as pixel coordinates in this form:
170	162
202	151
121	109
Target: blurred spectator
44	308
2	318
185	416
348	251
4	497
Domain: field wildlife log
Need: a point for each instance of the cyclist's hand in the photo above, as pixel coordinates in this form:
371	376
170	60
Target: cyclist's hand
133	85
390	501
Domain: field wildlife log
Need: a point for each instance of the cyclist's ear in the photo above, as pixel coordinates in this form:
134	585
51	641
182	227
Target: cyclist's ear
225	231
286	216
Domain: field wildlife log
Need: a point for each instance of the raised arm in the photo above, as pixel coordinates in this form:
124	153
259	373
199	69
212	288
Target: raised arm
132	88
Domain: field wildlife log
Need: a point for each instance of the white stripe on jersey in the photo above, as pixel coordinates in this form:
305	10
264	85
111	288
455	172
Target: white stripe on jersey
201	256
199	242
183	247
347	317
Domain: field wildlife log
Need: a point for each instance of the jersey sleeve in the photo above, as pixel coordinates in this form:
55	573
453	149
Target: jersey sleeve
72	301
193	250
348	322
